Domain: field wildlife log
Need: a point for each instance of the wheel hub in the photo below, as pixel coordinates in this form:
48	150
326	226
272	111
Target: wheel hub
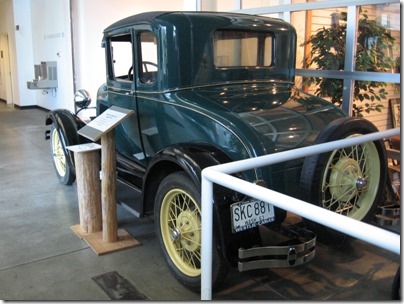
361	183
346	179
187	230
176	234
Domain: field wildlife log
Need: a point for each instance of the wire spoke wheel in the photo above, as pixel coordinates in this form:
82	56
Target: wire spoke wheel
62	167
59	158
181	231
178	229
348	181
351	179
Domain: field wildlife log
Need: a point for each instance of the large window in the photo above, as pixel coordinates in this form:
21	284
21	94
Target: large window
240	48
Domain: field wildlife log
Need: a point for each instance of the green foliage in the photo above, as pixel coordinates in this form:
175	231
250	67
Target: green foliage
328	53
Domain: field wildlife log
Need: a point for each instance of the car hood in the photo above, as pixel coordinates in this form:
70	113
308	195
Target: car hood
280	115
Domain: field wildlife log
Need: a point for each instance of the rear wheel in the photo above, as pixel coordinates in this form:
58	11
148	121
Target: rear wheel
347	181
178	227
64	172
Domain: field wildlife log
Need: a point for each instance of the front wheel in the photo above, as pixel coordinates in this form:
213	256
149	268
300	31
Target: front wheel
64	172
178	228
347	181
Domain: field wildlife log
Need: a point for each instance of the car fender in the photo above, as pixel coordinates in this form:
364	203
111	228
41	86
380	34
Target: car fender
192	159
67	125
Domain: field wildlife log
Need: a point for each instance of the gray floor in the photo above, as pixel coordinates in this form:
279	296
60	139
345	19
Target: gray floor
42	259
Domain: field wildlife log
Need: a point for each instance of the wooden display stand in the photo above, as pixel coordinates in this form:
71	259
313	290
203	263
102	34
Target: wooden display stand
92	201
87	161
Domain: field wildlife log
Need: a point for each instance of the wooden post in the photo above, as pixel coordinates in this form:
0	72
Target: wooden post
108	187
88	189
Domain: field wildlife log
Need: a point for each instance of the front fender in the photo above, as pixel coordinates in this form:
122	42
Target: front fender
67	125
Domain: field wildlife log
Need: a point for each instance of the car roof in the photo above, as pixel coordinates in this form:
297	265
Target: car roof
152	16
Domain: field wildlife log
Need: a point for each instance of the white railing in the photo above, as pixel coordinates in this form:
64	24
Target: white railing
220	174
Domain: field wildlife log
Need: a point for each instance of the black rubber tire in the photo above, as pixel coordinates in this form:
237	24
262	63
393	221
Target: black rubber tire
179	181
58	145
315	169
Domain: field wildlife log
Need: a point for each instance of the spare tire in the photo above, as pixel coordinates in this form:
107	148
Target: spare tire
348	181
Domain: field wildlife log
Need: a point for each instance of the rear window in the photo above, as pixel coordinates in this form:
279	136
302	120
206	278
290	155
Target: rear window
233	48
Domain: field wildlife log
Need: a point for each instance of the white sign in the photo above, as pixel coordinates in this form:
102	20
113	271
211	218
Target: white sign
105	122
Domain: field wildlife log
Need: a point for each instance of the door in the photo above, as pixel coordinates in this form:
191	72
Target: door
5	71
121	87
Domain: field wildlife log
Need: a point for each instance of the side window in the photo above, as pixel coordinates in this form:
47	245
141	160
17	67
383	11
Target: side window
121	58
148	64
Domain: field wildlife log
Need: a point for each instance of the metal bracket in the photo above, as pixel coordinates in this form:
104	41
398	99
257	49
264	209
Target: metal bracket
298	250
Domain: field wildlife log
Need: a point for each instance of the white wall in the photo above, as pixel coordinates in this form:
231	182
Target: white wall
51	41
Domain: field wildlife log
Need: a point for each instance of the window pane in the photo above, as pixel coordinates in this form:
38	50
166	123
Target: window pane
121	52
240	48
148	48
320	38
378	42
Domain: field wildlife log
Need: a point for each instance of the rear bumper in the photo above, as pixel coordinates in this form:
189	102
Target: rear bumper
296	248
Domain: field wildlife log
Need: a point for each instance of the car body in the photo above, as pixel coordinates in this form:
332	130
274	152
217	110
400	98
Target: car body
209	88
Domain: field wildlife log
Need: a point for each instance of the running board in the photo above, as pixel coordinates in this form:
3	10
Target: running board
129	197
298	250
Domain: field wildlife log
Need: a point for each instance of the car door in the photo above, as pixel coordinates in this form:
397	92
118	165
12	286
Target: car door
121	53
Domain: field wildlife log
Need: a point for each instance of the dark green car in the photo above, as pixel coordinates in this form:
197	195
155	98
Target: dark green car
210	88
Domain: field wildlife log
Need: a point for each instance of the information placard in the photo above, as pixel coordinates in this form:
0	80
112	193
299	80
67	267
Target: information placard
104	122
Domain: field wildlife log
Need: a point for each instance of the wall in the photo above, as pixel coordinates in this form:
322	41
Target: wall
51	41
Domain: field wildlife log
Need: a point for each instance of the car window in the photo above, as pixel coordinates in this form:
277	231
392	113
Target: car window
148	66
234	48
121	53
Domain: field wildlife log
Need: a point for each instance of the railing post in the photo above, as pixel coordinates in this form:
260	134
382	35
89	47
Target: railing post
207	238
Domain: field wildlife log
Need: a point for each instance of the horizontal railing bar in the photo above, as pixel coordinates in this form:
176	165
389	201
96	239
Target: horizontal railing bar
265	160
371	234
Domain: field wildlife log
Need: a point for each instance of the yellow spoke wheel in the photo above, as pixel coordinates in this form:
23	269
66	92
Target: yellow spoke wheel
348	181
62	167
181	231
177	216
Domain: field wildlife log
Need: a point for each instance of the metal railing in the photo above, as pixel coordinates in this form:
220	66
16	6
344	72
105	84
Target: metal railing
220	174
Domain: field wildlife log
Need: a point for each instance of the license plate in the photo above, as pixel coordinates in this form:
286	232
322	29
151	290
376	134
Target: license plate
249	214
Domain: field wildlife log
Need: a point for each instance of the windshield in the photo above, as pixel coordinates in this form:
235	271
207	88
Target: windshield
235	48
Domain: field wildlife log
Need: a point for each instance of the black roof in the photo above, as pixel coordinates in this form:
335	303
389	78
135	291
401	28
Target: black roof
150	16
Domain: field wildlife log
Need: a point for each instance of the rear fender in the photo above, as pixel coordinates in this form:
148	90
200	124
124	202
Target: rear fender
191	159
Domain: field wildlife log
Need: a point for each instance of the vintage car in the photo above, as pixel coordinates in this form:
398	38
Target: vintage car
209	88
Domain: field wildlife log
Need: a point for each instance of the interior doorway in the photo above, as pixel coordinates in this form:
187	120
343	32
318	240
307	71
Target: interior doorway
6	92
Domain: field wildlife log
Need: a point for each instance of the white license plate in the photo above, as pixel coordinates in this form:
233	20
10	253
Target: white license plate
249	214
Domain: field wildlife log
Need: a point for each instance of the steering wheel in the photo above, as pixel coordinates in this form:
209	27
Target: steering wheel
146	70
130	73
146	63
